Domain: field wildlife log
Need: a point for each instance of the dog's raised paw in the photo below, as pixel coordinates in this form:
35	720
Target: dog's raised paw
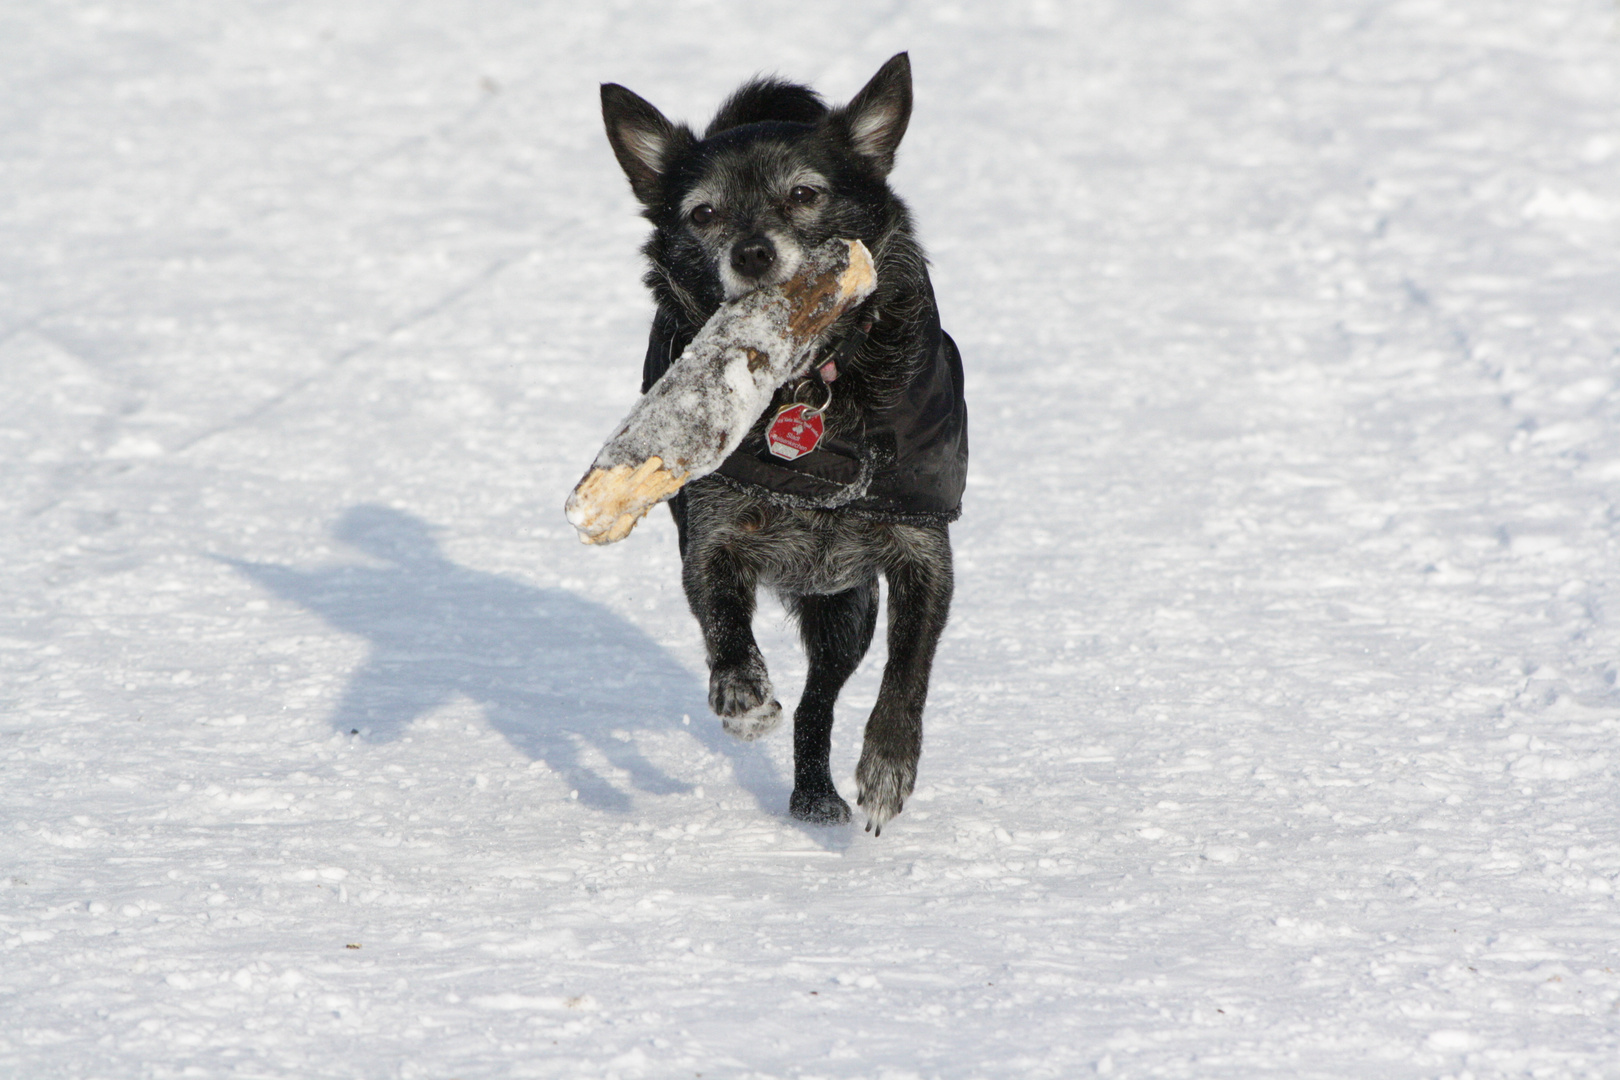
882	787
819	807
737	691
756	722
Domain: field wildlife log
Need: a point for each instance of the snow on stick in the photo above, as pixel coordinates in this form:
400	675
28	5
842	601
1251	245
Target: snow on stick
698	413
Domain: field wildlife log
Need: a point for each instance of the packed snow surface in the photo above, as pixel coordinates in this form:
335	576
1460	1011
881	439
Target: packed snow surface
1275	732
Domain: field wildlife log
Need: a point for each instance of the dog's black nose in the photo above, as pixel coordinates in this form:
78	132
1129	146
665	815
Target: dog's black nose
752	256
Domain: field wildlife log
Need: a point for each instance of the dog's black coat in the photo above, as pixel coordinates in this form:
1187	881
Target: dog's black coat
776	174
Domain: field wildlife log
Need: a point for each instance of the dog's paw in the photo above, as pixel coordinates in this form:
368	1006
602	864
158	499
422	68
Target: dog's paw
819	807
758	721
743	699
882	788
739	689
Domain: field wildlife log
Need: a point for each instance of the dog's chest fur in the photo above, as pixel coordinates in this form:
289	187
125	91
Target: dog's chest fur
799	552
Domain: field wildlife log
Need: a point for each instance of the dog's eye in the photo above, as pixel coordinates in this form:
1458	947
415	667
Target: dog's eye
701	215
803	195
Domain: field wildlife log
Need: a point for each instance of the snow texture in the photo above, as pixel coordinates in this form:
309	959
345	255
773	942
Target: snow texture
1275	732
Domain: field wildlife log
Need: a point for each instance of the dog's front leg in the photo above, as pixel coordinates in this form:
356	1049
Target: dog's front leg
837	631
919	603
720	592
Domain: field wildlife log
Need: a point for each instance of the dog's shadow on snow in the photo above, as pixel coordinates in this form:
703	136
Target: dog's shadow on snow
554	673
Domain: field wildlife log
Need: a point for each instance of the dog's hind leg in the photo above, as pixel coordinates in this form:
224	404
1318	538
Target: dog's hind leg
720	592
837	631
920	586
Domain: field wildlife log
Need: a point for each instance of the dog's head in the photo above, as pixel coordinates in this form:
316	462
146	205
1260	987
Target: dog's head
775	174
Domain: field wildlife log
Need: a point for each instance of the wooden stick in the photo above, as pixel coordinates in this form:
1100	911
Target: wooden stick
699	411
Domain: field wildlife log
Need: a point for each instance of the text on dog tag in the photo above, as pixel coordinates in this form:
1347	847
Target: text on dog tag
794	432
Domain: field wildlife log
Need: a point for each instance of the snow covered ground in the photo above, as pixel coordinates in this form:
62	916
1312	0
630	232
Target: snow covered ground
1276	731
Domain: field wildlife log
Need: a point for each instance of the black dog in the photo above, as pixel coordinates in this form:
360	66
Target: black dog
776	174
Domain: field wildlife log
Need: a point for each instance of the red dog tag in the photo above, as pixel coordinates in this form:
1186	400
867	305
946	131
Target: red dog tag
794	432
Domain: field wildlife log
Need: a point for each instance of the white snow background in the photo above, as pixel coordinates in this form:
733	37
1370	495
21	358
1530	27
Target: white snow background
1275	731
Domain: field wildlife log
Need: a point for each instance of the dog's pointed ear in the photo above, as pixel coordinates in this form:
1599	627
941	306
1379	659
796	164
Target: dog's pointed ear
875	120
642	139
